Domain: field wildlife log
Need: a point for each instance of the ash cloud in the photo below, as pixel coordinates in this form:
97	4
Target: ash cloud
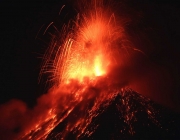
17	120
11	118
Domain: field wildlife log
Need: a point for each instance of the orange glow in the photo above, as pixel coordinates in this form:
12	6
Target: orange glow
98	69
87	54
80	68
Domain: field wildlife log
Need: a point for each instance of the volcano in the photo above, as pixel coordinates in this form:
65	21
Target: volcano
109	71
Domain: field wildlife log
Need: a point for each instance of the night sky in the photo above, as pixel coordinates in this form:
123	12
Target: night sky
22	45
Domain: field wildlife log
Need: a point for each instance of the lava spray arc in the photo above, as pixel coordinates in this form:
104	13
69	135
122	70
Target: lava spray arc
81	68
89	45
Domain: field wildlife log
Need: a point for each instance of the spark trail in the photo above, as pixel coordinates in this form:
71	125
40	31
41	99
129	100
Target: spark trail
80	61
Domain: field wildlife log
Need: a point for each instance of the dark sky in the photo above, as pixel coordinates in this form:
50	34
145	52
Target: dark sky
20	52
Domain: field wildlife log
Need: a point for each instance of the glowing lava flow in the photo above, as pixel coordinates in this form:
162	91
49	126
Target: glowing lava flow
80	67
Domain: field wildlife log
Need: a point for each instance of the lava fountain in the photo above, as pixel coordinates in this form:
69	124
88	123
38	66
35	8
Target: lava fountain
80	61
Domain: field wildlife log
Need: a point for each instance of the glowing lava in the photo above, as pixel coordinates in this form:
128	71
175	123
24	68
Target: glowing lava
79	69
87	51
